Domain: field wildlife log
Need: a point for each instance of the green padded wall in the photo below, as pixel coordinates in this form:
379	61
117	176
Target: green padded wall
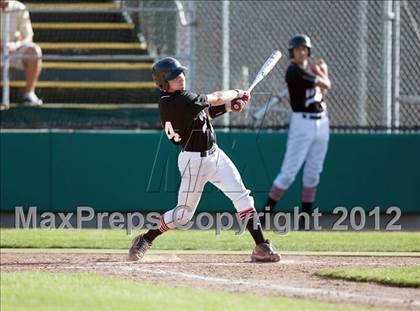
136	170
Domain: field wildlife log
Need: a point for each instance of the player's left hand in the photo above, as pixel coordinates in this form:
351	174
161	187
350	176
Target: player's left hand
314	68
320	61
321	64
244	95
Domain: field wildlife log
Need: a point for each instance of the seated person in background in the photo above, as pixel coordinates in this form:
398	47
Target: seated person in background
24	53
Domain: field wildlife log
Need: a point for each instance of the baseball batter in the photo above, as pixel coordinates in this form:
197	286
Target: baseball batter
185	117
307	141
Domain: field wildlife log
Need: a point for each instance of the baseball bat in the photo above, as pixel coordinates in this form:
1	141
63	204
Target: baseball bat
265	69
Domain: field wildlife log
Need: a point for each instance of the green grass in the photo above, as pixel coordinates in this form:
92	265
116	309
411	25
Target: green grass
208	240
88	291
395	276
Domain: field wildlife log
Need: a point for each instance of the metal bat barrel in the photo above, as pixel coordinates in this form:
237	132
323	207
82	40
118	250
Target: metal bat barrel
266	68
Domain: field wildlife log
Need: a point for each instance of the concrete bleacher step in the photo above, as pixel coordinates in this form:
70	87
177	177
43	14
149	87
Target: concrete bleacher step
82	26
83	116
80	17
67	2
92	71
97	48
93	85
94	75
75	12
91	92
84	32
98	65
113	81
91	37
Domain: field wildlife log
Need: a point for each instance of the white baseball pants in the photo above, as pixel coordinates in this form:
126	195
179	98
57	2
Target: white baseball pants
196	171
307	144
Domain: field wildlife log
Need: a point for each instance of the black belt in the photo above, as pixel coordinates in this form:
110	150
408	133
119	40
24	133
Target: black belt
311	116
206	153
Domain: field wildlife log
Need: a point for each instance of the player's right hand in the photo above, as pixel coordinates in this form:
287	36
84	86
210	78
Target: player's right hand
238	104
243	94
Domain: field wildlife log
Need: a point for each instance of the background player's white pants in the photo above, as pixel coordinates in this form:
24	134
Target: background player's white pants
307	143
195	173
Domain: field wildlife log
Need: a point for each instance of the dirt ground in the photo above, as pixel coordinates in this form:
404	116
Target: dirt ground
293	276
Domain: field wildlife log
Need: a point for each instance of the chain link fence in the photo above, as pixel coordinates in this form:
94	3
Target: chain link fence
225	43
348	35
409	64
166	26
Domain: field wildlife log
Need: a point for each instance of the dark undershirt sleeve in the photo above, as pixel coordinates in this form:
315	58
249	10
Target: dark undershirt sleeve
217	111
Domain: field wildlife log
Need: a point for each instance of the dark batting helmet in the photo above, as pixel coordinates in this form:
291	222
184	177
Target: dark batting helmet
299	40
166	69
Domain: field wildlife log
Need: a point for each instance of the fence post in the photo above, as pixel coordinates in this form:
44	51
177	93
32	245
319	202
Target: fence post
363	63
5	60
387	64
192	44
225	53
397	43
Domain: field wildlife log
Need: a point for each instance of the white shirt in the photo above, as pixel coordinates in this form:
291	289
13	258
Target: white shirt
19	22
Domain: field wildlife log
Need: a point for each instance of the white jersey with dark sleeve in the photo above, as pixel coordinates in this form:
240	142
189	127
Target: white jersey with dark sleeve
185	122
305	96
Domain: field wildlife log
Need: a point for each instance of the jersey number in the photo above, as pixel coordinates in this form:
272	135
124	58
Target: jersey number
169	130
313	95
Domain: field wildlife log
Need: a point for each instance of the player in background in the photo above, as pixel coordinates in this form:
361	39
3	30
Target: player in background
186	116
307	141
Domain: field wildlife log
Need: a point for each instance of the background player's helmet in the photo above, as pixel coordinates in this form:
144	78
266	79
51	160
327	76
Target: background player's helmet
299	40
166	69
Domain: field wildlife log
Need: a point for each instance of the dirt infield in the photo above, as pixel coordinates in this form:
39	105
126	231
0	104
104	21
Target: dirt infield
293	276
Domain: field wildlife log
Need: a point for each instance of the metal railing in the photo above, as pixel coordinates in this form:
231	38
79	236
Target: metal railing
5	61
